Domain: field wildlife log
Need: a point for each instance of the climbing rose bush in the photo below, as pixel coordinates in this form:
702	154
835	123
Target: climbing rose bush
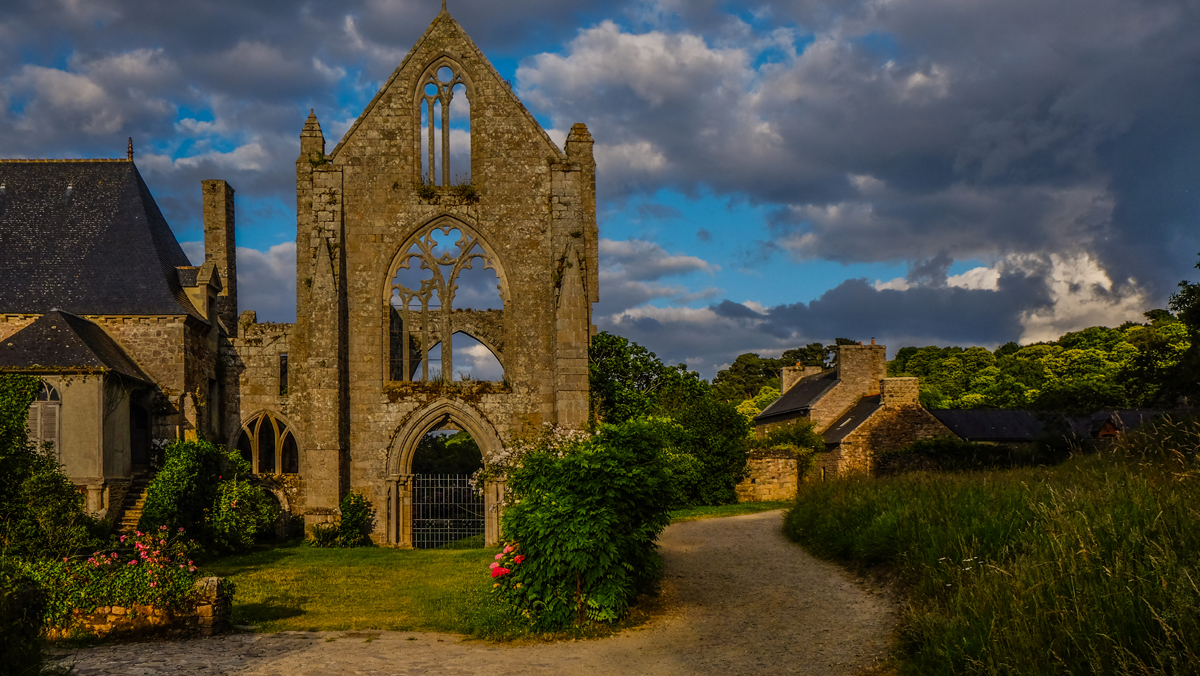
582	520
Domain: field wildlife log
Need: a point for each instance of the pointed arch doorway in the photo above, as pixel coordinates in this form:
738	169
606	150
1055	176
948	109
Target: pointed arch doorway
420	508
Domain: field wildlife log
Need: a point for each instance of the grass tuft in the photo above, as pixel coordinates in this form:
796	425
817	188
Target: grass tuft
716	511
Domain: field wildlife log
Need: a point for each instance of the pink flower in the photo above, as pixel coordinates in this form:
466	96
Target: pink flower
508	549
64	559
498	556
494	565
133	562
153	584
518	558
122	538
181	529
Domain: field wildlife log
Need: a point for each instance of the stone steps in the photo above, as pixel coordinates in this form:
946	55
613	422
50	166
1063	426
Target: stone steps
131	507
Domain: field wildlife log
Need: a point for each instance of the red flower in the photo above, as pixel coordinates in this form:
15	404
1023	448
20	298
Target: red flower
518	558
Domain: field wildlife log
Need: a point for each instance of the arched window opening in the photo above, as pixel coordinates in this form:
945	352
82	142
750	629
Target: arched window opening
443	271
447	511
45	416
445	127
267	443
474	361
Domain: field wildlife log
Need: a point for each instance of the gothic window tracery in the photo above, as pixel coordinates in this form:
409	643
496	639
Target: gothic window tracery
445	111
444	271
269	446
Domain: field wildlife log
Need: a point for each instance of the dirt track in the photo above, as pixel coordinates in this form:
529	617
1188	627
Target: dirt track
739	598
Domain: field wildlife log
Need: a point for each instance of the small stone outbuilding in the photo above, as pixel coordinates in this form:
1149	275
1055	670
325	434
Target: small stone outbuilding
858	410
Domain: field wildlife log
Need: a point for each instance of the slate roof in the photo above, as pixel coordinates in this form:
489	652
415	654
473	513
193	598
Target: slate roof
849	422
85	236
806	392
62	341
998	425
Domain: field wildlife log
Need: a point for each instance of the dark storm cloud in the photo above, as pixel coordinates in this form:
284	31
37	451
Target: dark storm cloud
709	338
896	130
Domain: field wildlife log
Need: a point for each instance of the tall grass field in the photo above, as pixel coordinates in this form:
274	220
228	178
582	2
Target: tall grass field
1088	567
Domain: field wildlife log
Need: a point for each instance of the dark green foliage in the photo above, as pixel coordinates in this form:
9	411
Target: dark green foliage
797	434
715	434
206	490
22	604
626	380
1088	567
583	518
447	454
358	519
749	373
953	454
352	529
41	514
629	382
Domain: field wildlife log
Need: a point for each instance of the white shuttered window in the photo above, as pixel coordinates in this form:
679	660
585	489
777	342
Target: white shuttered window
45	417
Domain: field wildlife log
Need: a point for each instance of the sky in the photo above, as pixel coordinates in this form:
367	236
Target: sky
770	174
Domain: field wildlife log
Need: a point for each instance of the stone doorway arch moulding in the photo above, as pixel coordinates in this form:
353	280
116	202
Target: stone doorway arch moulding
400	458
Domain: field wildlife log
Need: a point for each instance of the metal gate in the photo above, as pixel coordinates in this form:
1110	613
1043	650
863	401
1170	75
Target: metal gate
446	512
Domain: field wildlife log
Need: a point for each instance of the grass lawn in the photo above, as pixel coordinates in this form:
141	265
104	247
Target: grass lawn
296	587
695	513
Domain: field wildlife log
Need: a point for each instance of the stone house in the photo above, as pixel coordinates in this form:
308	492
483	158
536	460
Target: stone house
445	216
98	298
858	410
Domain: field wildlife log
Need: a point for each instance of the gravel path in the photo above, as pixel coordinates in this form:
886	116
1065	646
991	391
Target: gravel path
739	598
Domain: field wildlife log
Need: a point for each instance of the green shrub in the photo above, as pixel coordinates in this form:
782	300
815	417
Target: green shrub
716	435
352	529
358	520
160	573
243	513
41	514
323	535
953	454
582	516
206	490
1085	567
22	605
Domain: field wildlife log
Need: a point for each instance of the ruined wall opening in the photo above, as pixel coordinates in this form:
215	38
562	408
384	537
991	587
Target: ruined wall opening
445	307
268	444
448	513
445	131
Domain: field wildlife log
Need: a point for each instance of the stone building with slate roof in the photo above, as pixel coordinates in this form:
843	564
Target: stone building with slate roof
97	297
856	408
445	217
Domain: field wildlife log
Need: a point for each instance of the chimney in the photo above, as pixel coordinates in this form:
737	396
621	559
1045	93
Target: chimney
220	247
861	367
900	391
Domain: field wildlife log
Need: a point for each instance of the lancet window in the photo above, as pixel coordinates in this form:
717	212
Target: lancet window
269	446
444	271
445	126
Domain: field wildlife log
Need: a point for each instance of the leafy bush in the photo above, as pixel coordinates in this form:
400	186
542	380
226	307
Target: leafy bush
953	454
22	605
582	516
41	514
1085	567
352	529
715	434
159	573
206	490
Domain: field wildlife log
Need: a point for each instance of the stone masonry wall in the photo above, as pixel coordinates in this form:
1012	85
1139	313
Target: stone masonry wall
769	478
360	206
208	615
890	428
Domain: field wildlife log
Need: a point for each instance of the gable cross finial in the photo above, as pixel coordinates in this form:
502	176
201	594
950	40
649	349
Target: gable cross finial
443	5
129	151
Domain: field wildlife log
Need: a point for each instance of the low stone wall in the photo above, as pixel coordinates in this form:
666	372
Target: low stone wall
209	615
769	476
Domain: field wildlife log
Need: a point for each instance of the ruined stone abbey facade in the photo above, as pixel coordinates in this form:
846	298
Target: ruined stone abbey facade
445	214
